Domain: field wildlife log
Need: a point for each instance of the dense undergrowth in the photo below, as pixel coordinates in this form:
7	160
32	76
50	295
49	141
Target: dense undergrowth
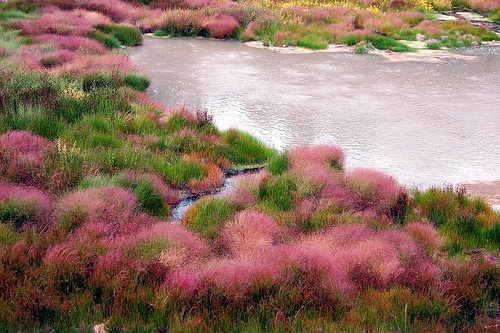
90	167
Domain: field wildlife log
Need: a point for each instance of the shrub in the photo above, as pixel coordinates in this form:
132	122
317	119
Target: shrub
137	81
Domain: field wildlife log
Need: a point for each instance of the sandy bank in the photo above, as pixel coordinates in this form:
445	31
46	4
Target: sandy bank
422	54
489	191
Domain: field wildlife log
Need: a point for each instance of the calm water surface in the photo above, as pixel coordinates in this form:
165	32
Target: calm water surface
425	124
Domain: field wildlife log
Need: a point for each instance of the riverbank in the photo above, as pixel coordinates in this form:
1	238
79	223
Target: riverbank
488	191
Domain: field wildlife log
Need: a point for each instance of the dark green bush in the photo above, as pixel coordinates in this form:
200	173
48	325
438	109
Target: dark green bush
208	216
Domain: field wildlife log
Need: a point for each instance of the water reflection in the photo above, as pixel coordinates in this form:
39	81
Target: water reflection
423	123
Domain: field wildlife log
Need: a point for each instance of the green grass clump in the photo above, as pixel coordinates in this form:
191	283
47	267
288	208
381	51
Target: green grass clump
243	148
13	14
313	42
109	41
277	193
127	35
208	216
378	41
494	15
278	164
137	81
177	172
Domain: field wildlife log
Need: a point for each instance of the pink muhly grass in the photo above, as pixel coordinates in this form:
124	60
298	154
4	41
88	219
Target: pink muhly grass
328	155
94	18
187	114
156	19
74	43
110	63
29	201
222	27
117	10
55	21
373	189
424	234
26	145
182	247
183	282
430	28
114	205
56	58
245	189
340	29
280	37
249	232
170	195
485	5
236	278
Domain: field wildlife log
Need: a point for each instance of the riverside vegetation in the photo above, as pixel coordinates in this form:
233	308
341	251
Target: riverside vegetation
90	167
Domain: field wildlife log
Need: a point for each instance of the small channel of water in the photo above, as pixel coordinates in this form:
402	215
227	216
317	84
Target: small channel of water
425	124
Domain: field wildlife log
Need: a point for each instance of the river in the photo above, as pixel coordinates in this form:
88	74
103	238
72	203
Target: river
423	123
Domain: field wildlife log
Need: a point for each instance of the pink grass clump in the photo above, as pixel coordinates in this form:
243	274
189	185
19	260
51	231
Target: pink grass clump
109	63
183	282
94	18
222	27
181	247
485	5
373	189
424	234
33	206
56	58
328	155
243	193
112	205
73	43
25	145
236	278
56	21
249	232
170	196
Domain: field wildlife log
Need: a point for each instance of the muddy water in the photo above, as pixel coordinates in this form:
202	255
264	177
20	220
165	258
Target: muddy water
423	123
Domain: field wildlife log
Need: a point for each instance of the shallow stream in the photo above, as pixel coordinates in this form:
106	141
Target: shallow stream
423	123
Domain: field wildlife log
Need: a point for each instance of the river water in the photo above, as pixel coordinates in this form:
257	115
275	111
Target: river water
423	123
